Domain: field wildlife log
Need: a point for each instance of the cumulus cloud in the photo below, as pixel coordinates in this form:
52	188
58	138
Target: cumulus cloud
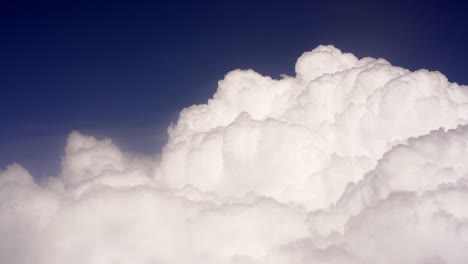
350	161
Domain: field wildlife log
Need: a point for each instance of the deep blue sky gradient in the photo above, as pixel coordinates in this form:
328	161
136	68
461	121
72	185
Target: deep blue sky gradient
124	69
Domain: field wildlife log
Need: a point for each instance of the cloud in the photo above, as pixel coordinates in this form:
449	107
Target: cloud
350	161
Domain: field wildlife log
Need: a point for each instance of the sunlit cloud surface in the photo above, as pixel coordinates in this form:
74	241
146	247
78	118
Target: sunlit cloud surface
350	161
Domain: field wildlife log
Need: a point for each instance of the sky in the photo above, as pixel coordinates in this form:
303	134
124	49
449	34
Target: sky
233	132
124	70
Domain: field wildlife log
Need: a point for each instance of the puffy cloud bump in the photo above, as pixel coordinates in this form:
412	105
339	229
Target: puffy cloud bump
350	161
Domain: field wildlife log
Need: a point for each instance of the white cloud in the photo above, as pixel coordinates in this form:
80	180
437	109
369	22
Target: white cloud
350	161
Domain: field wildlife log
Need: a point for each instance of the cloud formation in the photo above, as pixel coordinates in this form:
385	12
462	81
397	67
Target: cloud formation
350	161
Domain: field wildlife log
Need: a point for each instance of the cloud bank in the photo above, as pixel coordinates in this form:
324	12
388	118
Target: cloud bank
350	161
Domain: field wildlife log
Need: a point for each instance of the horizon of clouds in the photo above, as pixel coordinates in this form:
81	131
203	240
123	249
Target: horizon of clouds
350	161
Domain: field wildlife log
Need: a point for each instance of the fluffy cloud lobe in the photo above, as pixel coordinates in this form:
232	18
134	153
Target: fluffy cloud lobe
350	161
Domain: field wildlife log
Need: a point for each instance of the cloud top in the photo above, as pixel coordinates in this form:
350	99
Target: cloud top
350	161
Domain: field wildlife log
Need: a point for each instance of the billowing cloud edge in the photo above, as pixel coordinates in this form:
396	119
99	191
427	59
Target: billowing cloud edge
350	161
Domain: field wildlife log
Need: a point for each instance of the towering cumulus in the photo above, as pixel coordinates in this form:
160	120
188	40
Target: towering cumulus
350	161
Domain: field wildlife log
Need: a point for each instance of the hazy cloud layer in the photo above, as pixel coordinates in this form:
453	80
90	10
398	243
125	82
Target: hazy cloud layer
350	161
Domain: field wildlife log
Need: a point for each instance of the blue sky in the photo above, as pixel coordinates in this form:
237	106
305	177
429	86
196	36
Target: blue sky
124	70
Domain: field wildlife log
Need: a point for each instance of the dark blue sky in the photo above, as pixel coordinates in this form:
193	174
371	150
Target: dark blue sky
124	70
